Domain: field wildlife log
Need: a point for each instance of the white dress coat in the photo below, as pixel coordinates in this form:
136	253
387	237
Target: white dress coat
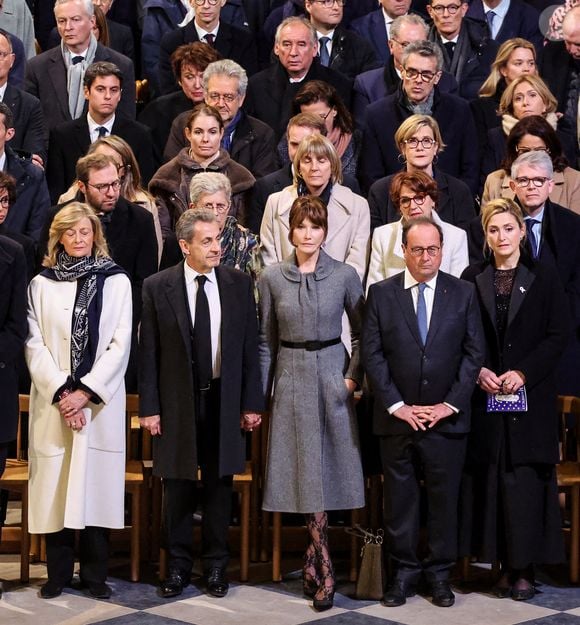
77	478
387	253
349	227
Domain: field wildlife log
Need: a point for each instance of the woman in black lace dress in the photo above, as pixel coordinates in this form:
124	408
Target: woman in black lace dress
509	506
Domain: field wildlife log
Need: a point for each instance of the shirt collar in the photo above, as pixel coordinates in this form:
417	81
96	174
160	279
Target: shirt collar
500	10
3	160
191	274
410	282
330	35
539	217
201	33
93	124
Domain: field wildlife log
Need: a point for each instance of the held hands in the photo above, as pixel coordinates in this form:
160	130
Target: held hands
71	409
419	416
250	420
152	423
508	382
512	381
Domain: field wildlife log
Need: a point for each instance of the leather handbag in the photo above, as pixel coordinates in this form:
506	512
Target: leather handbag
369	584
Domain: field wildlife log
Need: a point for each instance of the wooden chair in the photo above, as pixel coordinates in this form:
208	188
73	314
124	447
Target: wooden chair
568	473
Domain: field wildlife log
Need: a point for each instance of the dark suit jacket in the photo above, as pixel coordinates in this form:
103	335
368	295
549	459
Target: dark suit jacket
28	245
372	27
166	364
455	204
270	94
45	78
400	368
379	153
521	20
537	330
351	54
30	132
231	42
13	330
71	140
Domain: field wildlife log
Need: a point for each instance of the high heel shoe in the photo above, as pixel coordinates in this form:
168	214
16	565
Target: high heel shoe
324	597
310	581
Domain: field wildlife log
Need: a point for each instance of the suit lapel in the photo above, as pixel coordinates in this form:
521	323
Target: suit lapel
405	300
229	321
440	303
175	293
82	134
522	282
484	284
57	75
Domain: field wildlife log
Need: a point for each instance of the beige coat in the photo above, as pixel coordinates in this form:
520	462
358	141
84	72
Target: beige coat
77	479
348	227
566	191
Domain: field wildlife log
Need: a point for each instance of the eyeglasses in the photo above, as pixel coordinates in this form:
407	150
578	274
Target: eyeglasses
328	3
426	142
440	9
4	55
220	208
200	3
103	187
405	202
325	115
411	74
403	44
5	200
226	97
432	250
525	150
538	181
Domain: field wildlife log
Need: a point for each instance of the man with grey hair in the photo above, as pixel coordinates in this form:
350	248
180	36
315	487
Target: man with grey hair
55	77
419	93
378	83
206	315
271	91
249	141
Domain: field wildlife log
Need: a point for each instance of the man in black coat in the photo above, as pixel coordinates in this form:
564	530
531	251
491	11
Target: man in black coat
199	388
231	42
47	75
342	50
419	94
271	91
422	347
103	85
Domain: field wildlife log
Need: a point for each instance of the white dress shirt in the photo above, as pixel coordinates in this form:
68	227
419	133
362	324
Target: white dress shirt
94	127
500	12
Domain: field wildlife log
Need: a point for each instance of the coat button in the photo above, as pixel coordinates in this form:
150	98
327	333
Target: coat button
2	365
425	382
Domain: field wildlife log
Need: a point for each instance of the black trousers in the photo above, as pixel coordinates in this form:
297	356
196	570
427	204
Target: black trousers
93	555
439	459
181	498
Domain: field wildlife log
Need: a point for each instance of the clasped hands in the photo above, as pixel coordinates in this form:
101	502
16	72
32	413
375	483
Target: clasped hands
420	416
509	382
248	421
71	409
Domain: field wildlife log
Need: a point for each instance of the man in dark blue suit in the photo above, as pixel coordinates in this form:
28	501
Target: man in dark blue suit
418	93
422	348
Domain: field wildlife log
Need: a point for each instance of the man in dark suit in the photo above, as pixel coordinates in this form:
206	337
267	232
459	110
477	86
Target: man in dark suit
342	50
270	92
514	18
419	93
198	335
422	347
467	48
50	75
231	42
103	85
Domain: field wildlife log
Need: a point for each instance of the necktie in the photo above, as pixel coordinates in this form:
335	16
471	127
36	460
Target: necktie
323	51
530	223
490	16
422	312
202	337
209	38
77	59
450	48
102	131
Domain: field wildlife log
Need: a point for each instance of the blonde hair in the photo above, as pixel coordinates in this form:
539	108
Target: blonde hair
506	102
318	145
497	207
489	87
66	218
413	124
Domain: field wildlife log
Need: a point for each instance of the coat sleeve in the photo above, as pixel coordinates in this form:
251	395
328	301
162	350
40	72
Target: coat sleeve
359	250
13	329
252	398
149	355
268	231
354	306
35	140
269	335
376	261
459	254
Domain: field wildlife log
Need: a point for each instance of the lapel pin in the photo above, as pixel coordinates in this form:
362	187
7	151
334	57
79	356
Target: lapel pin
522	290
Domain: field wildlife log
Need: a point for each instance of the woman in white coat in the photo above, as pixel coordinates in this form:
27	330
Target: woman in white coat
415	194
79	317
318	172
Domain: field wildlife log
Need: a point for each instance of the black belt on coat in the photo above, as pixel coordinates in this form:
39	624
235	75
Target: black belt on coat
311	346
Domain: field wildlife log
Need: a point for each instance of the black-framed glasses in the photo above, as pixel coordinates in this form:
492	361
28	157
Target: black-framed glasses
325	115
405	202
439	9
426	142
220	208
103	187
5	200
524	182
425	76
328	3
226	97
524	150
432	250
200	3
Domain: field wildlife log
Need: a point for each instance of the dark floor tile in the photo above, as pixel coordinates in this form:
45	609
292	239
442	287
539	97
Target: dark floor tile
141	618
556	597
555	619
355	618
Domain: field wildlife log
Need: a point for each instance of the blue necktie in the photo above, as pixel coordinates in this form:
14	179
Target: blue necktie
490	16
422	312
102	131
530	223
323	51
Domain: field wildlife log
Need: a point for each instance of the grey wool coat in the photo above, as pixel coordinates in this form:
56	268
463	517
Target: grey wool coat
313	451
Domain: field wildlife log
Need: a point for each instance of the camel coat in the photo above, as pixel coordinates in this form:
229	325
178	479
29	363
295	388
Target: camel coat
77	479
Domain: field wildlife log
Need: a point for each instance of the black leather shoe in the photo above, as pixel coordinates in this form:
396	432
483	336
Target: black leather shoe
99	590
172	585
523	590
217	583
50	590
442	594
397	594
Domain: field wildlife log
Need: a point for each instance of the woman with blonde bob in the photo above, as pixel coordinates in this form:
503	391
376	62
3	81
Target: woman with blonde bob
77	399
318	172
509	505
419	141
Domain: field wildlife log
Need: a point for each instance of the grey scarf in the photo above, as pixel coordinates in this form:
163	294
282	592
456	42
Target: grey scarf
75	75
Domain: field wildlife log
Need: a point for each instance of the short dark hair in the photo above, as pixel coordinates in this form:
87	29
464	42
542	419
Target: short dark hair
308	207
8	115
197	54
420	221
419	181
8	182
317	91
101	68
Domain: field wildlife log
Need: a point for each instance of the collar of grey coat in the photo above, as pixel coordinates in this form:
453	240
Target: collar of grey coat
324	267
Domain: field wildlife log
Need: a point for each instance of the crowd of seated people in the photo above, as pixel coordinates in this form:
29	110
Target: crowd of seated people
201	194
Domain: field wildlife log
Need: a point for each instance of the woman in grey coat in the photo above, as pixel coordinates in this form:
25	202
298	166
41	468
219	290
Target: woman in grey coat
313	460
